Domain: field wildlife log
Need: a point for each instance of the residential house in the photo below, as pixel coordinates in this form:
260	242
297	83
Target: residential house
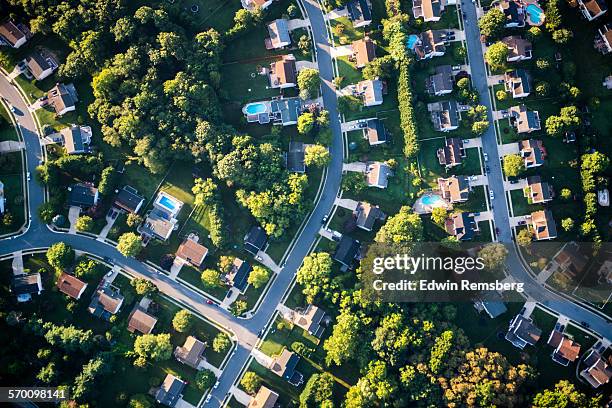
605	271
451	154
591	9
428	10
251	5
311	320
255	240
278	111
565	349
371	91
161	220
543	225
347	251
377	174
284	366
603	41
533	152
295	157
83	195
191	353
191	252
360	12
597	369
572	260
12	34
106	301
171	390
364	52
128	199
40	66
62	98
279	34
454	189
367	214
493	308
2	199
519	49
440	83
375	132
518	82
76	139
538	191
461	225
524	120
265	398
25	285
514	11
283	73
238	275
444	115
522	332
430	43
71	285
140	321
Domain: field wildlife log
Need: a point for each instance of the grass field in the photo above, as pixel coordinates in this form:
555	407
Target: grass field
12	178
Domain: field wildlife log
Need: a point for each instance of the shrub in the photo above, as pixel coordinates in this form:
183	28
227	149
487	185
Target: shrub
407	117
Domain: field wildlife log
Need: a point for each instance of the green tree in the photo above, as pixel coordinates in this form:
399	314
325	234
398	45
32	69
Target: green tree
182	321
139	401
513	165
107	182
308	81
250	382
205	379
133	220
566	193
348	104
562	36
129	244
7	219
154	347
497	55
345	340
317	155
318	391
439	215
492	23
48	373
143	287
501	95
354	181
304	44
315	275
239	307
221	343
46	212
381	68
60	256
534	33
84	223
258	276
542	88
479	127
565	395
568	119
205	191
211	278
85	268
524	237
404	227
567	224
306	123
493	255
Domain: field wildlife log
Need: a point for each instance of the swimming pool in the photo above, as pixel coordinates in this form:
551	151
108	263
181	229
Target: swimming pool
431	199
535	14
255	108
412	39
167	202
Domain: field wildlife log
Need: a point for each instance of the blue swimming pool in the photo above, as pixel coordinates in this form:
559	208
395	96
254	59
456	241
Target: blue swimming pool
255	108
431	199
412	39
535	13
167	202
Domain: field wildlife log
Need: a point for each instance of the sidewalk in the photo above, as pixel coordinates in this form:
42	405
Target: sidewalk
18	263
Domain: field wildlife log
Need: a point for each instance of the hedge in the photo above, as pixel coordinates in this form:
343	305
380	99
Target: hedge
407	119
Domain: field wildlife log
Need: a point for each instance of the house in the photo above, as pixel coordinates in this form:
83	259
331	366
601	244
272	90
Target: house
454	189
524	120
2	199
238	275
283	73
371	91
255	240
360	12
171	391
76	139
603	41
310	320
106	301
128	199
514	11
461	225
572	260
492	308
191	353
518	82
429	44
347	251
377	174
12	35
533	152
251	5
24	285
522	332
284	366
367	214
591	9
279	34
375	132
565	349
364	51
140	321
451	154
440	83
83	195
295	157
40	66
71	285
444	115
605	271
278	111
265	398
191	252
598	371
543	225
538	191
62	98
428	10
519	49
161	220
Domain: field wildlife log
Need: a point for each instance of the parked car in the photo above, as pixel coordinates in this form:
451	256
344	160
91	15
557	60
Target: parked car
28	176
514	181
491	195
466	141
325	218
486	157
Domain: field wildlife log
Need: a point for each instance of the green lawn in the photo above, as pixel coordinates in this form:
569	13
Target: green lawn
243	83
12	178
520	205
7	130
347	70
343	31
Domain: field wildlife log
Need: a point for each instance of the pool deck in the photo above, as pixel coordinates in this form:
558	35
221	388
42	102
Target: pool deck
420	207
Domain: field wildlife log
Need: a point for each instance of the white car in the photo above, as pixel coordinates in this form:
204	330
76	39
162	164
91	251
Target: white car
13	109
486	157
466	141
491	195
28	176
216	385
208	398
473	178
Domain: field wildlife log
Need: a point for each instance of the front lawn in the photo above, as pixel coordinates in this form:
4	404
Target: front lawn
12	178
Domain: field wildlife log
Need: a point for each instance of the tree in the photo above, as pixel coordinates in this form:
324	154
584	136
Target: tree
542	64
566	193
107	182
381	68
84	223
553	15
46	212
318	391
524	237
226	263
7	219
221	343
154	347
205	191
133	220
250	382
239	307
501	95
258	276
315	275
205	379
565	395
348	104
139	401
129	244
497	55
492	23
60	256
404	227
567	224
182	321
306	123
308	81
542	88
143	287
304	44
210	278
464	83
91	373
562	36
69	338
317	155
479	127
493	255
342	345
85	268
513	165
48	373
534	33
439	215
354	181
568	119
